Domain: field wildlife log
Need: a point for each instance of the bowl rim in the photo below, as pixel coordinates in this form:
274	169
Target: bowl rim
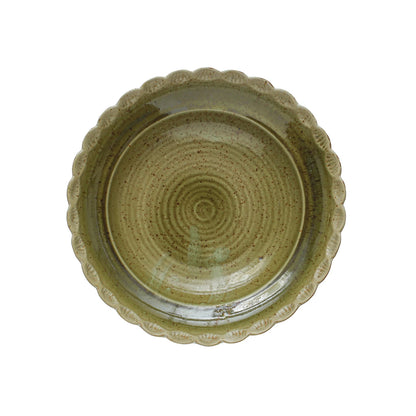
266	319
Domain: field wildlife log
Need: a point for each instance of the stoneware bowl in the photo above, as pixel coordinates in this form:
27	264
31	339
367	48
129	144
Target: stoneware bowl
206	206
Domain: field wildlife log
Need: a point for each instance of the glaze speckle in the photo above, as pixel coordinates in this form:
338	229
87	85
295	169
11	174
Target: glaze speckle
211	189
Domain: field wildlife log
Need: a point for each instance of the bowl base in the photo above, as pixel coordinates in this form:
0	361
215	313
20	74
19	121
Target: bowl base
205	207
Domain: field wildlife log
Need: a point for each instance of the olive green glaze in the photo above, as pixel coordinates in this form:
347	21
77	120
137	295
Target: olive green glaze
206	206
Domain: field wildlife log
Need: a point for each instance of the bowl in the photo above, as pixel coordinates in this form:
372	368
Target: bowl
206	206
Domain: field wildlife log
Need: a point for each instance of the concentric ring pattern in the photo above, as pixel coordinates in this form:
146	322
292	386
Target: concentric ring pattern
212	222
212	193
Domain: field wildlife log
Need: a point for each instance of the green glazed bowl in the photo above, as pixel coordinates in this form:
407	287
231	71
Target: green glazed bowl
206	206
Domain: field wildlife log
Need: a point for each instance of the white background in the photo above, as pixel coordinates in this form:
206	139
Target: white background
350	350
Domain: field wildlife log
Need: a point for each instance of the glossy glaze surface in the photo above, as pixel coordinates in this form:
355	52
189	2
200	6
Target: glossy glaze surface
206	206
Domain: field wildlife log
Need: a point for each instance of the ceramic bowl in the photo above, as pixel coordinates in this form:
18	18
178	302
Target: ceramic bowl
206	206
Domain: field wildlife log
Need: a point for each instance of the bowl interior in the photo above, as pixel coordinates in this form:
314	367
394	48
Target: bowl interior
204	208
205	204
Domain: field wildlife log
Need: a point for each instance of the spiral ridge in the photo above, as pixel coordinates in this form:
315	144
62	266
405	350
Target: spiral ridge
198	207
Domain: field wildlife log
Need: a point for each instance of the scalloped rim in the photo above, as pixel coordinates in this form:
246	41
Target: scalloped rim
233	77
